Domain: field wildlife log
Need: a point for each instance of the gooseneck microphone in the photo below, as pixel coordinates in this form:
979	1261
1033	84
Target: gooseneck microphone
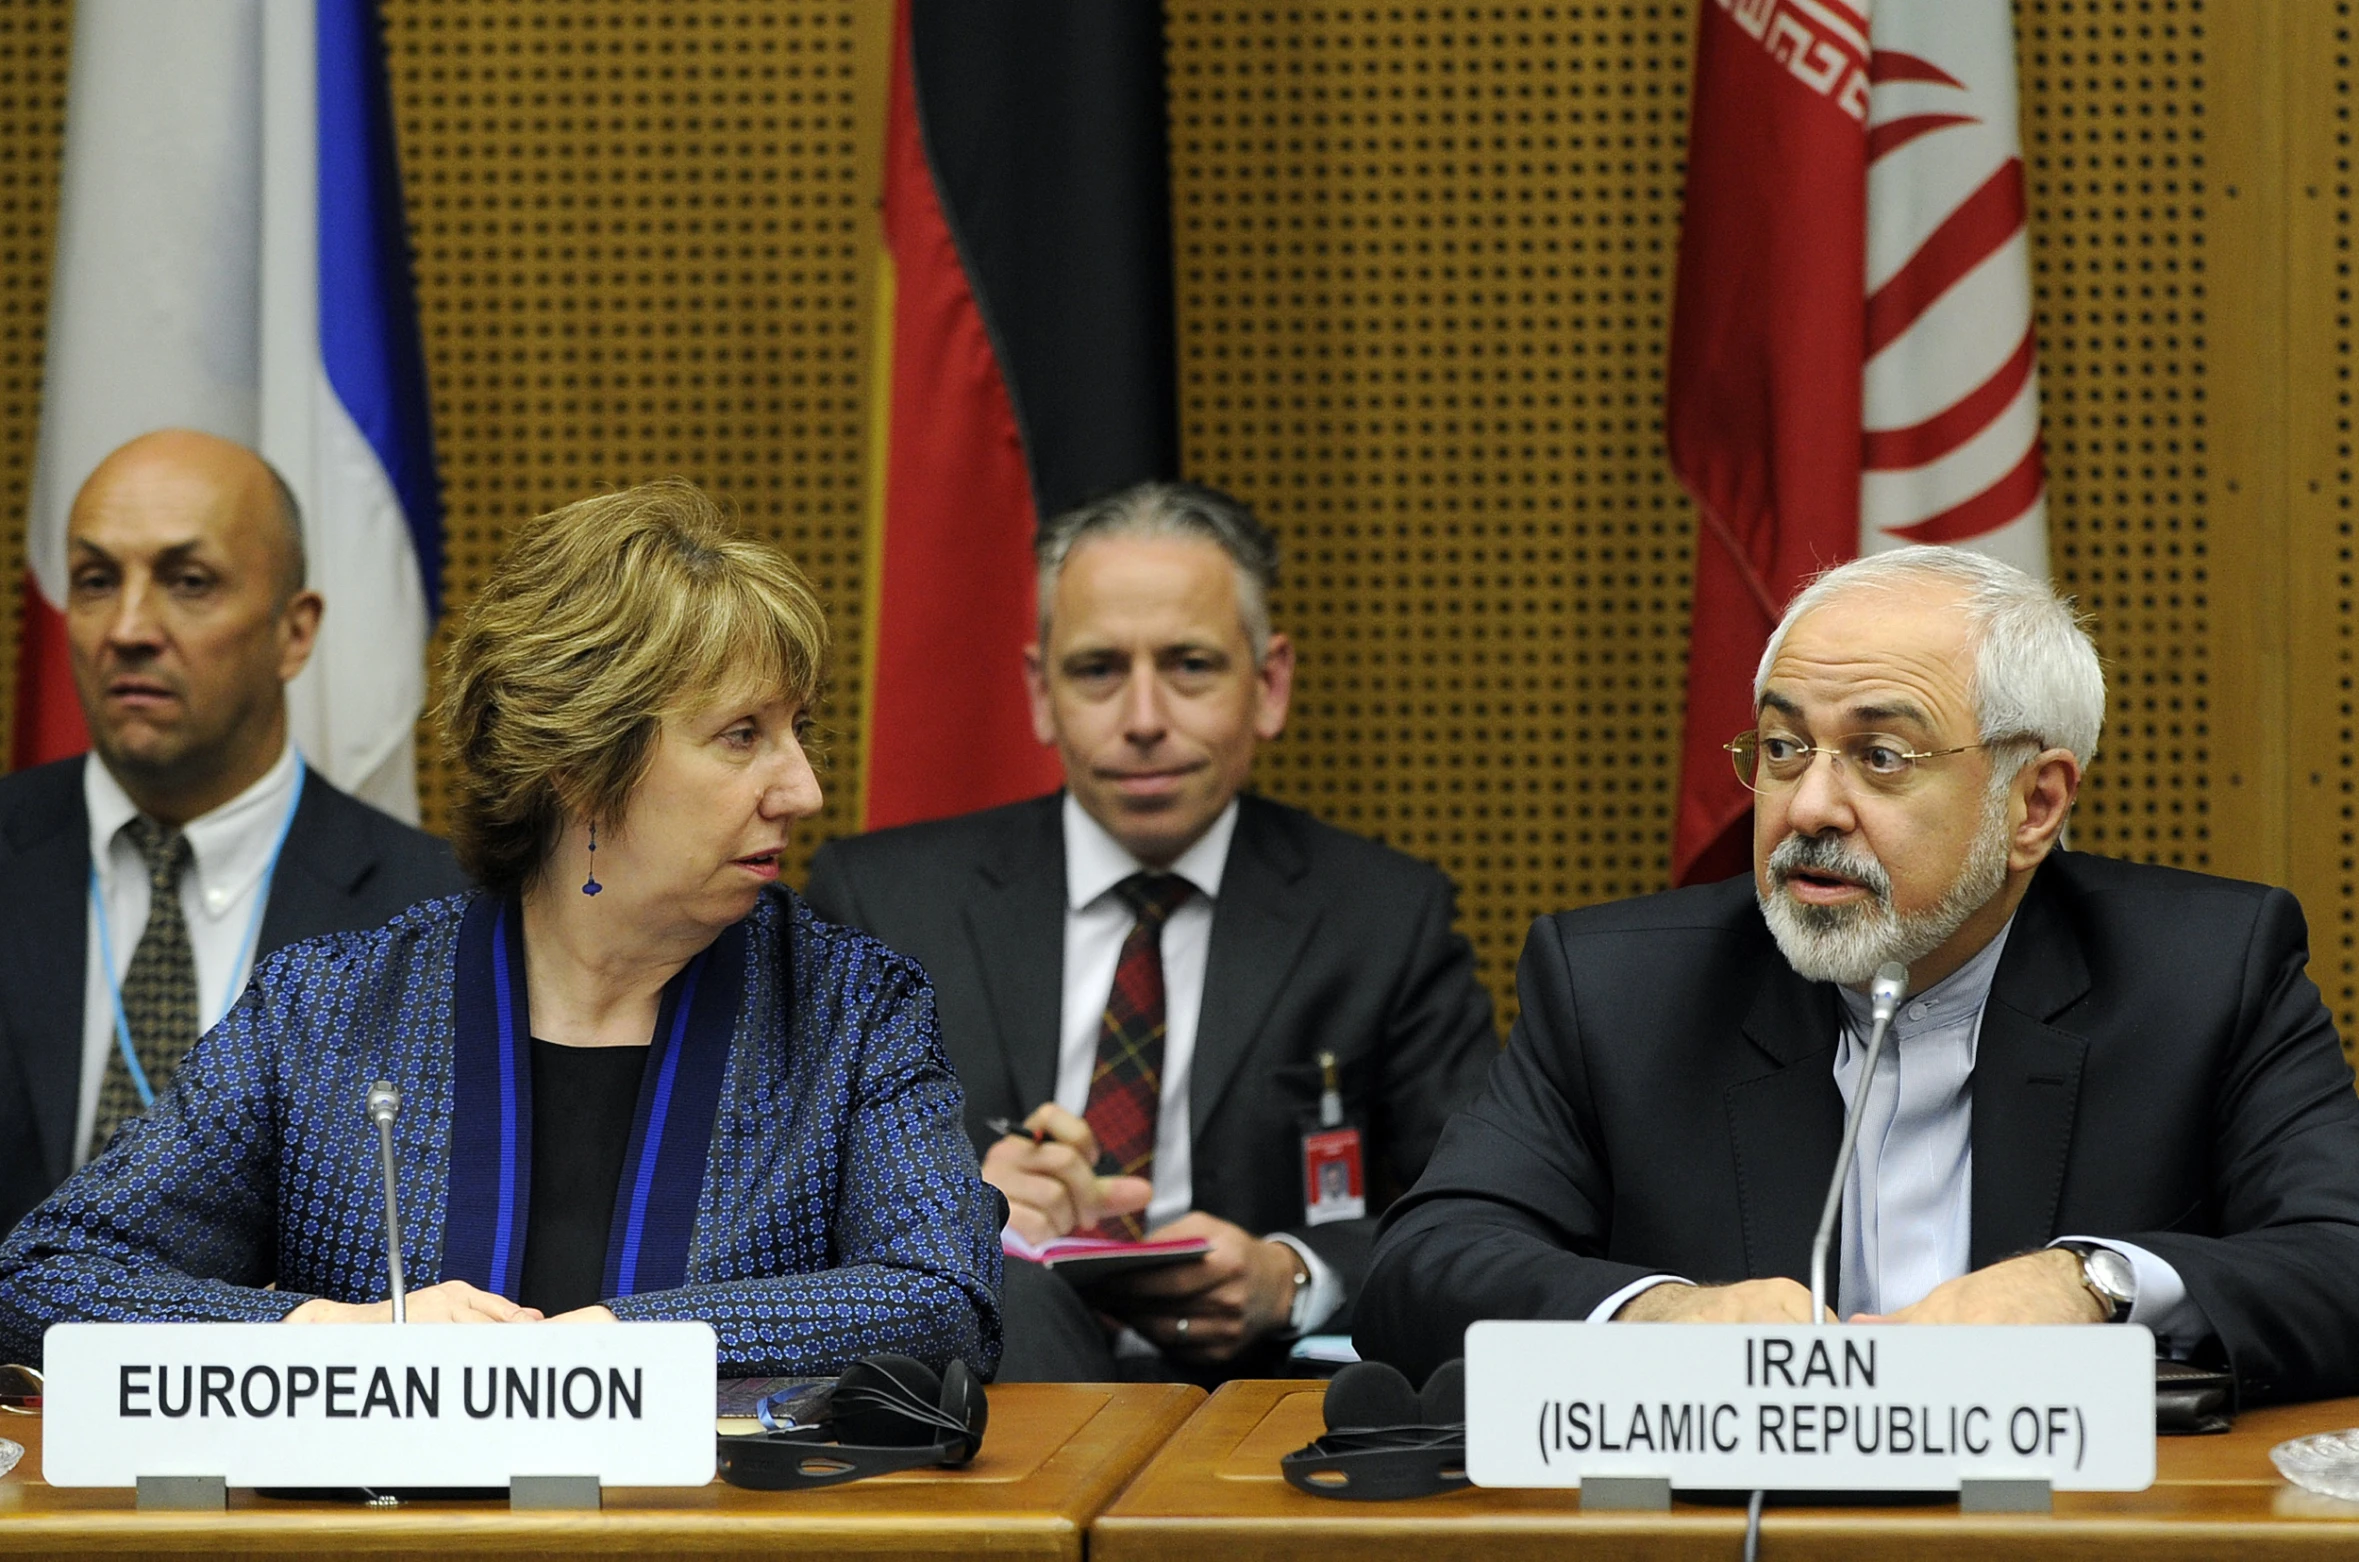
1884	995
384	1105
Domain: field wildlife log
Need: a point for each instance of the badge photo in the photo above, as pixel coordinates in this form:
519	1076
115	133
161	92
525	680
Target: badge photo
1332	1188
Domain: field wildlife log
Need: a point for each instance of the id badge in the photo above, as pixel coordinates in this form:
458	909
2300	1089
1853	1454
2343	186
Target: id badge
1332	1185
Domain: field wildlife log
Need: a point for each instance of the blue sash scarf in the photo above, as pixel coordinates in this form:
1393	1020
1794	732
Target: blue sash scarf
490	1195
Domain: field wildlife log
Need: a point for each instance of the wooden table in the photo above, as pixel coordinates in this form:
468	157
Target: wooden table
1215	1491
1055	1454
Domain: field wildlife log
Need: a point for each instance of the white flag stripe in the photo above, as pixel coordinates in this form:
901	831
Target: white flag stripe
1913	190
1962	338
186	294
356	704
1953	348
153	286
1891	500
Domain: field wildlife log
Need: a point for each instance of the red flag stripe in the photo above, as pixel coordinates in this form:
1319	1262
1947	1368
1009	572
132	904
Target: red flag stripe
1965	239
1894	134
1988	510
1898	449
949	726
48	715
1893	65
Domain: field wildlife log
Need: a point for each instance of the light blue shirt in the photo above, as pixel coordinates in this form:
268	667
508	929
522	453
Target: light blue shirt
1909	1205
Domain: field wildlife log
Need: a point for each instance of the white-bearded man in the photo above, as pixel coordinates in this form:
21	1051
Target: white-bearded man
2113	1094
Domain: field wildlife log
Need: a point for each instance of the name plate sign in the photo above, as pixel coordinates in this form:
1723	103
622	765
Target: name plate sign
373	1404
1861	1407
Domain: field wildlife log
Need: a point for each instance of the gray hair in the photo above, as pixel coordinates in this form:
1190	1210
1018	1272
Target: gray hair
2036	675
1169	509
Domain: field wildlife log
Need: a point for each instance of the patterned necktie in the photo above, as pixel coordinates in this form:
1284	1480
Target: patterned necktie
160	989
1125	1090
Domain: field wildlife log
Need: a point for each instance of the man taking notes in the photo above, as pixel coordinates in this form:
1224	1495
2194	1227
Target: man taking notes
186	614
1154	977
2111	1093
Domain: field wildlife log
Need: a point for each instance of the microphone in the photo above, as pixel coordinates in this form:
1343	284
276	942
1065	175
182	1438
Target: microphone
384	1105
1884	995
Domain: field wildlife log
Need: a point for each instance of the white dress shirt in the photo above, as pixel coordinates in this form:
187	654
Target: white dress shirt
230	850
1908	1208
1096	923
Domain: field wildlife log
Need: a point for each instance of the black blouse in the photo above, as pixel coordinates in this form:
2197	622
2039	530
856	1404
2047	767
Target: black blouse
583	1100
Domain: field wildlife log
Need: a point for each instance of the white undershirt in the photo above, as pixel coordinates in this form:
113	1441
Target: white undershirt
1096	923
229	851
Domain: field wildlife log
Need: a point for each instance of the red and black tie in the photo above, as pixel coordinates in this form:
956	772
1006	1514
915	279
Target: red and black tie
1125	1090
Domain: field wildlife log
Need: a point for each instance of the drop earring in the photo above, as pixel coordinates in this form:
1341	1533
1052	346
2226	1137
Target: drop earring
591	886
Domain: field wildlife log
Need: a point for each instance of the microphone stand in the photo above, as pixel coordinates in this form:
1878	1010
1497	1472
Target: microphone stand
384	1104
1884	996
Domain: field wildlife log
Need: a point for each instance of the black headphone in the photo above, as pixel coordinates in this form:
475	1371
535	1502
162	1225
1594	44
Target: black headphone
885	1413
1385	1440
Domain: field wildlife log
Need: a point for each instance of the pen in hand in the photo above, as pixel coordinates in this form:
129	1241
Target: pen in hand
1008	1128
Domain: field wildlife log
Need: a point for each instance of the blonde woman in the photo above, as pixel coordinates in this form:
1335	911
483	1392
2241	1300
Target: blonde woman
639	1078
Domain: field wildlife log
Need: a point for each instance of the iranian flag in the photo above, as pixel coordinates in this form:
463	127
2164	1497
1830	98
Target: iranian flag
232	257
1853	358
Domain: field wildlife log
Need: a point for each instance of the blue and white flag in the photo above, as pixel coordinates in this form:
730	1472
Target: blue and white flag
232	257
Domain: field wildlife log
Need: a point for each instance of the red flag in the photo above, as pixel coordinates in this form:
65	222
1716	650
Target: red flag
1852	353
1027	362
1767	335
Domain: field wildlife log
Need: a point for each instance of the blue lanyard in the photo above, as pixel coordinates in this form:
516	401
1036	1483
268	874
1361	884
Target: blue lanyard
253	941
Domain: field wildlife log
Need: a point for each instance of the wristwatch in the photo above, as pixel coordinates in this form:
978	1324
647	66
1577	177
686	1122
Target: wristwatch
2109	1278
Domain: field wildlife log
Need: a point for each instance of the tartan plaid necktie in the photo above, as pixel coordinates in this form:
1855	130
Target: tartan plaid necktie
1125	1090
159	990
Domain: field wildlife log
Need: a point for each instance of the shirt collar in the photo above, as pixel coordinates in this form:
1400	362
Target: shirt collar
1095	862
229	847
1954	1000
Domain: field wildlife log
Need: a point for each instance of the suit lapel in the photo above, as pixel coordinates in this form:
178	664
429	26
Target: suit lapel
44	924
326	859
2027	1076
1257	932
1017	923
1786	1125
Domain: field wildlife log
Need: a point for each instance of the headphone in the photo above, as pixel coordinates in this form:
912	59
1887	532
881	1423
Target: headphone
1385	1440
885	1413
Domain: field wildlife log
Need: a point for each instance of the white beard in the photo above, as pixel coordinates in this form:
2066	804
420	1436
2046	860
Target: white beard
1847	943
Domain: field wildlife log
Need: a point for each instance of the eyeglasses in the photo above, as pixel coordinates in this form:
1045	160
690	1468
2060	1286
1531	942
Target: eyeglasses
1771	762
20	1390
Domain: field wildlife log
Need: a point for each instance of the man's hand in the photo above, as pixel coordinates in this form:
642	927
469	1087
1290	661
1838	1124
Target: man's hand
2042	1287
453	1301
1052	1187
1748	1301
1229	1298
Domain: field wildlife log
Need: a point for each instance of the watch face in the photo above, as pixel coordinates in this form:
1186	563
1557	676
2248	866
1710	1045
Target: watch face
2111	1273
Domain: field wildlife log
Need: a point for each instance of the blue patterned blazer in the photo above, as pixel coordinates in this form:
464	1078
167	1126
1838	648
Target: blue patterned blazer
798	1177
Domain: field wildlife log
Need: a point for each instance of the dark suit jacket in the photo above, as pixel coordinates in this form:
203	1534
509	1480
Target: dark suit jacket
346	867
1321	942
2153	1066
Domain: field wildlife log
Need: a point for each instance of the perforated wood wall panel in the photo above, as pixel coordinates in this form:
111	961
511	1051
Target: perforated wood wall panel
2114	96
34	40
1424	261
638	233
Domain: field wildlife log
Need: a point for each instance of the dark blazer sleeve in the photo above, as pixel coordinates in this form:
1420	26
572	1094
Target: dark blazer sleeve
1438	1041
828	889
1515	1206
2280	1285
174	1222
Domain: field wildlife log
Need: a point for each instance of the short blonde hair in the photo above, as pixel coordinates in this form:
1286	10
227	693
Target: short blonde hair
605	617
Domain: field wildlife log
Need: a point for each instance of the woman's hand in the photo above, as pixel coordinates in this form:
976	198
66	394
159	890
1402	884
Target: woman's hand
594	1313
453	1301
